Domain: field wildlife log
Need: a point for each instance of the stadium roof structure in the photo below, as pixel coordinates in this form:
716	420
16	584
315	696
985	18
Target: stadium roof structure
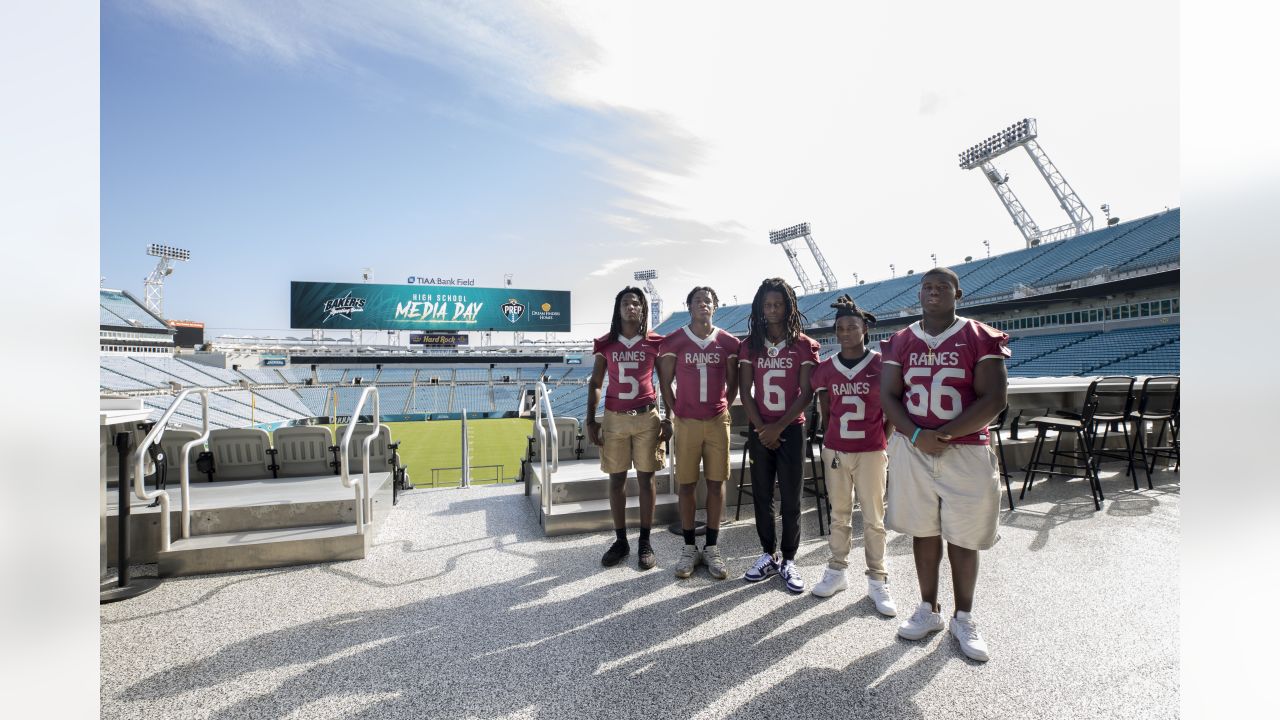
119	309
1130	249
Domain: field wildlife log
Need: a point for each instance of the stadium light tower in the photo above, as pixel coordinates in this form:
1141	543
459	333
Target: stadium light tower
1023	134
786	238
154	282
655	300
893	272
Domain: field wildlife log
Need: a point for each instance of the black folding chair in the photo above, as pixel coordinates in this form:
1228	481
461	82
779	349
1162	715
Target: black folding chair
993	431
1083	453
1158	403
742	474
1115	403
814	482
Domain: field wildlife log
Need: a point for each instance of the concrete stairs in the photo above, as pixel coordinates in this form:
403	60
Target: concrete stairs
580	498
255	524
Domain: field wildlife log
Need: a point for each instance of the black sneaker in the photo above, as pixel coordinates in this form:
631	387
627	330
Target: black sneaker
618	550
647	558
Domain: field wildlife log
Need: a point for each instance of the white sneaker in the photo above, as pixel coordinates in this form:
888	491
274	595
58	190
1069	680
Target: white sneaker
689	559
714	562
922	622
879	593
966	631
832	582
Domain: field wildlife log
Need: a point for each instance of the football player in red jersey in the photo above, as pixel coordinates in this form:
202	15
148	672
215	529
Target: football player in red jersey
774	362
702	359
632	433
944	380
853	451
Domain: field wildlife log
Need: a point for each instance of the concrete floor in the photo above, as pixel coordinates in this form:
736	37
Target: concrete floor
464	610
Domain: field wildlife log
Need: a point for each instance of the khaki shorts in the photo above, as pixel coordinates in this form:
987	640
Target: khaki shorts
955	494
631	440
702	441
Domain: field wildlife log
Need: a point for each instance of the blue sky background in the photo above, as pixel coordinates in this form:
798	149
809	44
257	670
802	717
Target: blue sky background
571	144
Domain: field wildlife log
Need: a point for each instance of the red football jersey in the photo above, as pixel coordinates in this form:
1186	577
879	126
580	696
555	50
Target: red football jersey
855	422
701	367
628	366
776	374
937	371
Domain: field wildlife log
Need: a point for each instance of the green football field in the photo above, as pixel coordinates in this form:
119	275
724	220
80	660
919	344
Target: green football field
438	444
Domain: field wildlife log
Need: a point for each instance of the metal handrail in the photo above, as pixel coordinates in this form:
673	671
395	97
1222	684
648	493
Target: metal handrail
542	400
362	489
139	456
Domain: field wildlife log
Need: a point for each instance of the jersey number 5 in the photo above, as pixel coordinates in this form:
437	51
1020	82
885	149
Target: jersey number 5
628	381
940	400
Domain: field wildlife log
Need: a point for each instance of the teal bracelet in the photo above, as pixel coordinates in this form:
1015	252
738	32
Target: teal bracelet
913	436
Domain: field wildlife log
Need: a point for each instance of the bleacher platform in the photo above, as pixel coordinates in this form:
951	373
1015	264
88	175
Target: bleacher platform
431	399
262	376
1144	242
118	310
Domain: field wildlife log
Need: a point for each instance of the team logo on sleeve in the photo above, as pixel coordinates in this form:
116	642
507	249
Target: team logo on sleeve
513	310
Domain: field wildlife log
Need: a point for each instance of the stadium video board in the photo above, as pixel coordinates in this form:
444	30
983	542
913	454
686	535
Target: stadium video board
364	306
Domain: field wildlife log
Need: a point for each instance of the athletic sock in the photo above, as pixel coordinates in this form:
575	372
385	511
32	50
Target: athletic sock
713	535
622	535
644	536
689	536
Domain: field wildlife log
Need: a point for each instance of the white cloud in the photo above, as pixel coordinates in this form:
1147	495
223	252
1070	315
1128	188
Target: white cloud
718	125
612	265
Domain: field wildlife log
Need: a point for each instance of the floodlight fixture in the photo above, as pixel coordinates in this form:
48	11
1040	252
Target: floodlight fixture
893	273
778	237
987	243
1023	134
166	251
934	258
855	278
1002	142
786	237
655	300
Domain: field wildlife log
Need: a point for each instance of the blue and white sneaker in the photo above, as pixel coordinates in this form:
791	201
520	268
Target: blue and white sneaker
791	576
767	565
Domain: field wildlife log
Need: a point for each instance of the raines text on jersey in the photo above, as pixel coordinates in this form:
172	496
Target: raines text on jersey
628	356
941	358
768	363
851	388
702	358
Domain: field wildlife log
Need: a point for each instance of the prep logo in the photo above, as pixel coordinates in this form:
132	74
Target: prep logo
513	310
546	307
343	306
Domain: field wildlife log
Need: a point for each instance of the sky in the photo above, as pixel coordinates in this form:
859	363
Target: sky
571	144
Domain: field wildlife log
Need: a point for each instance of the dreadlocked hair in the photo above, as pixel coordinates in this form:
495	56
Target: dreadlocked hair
846	307
615	325
792	321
